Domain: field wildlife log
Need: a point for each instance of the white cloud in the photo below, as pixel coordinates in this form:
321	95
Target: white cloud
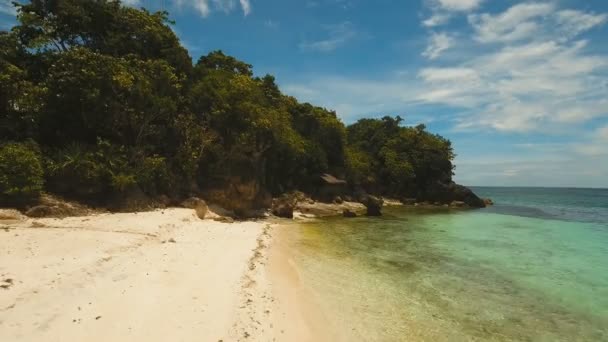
338	35
514	24
574	22
533	20
246	6
205	7
7	7
443	10
437	19
438	43
458	5
549	82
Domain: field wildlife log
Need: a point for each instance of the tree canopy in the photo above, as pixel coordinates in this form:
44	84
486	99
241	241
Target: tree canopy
97	98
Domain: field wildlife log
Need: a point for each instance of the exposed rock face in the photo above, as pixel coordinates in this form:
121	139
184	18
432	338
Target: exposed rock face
199	206
373	205
348	213
448	193
321	209
243	198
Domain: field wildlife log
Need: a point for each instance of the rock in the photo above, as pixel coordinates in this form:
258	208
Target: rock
408	201
348	213
284	206
37	224
373	205
320	209
224	219
283	210
239	196
199	206
11	214
458	204
44	211
488	201
338	200
450	192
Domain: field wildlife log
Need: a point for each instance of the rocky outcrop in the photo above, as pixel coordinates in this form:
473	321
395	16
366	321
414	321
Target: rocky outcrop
488	201
320	209
348	214
51	206
199	206
448	193
372	204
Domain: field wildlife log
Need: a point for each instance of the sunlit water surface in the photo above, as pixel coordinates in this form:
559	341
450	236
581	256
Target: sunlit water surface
532	268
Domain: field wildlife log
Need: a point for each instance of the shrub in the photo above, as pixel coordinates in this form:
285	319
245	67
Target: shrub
21	173
90	171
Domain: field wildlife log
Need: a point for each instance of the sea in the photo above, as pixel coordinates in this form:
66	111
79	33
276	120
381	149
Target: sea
533	267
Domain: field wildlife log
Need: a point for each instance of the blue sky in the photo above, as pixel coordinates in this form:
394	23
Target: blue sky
520	87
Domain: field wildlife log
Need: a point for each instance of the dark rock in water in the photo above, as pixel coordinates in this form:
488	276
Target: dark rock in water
348	213
450	192
199	206
488	201
373	205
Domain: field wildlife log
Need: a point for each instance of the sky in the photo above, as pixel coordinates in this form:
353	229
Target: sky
519	87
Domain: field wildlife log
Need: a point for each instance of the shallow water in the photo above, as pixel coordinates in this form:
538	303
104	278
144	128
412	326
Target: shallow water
527	271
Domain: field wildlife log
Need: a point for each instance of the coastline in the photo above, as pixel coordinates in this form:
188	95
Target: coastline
154	276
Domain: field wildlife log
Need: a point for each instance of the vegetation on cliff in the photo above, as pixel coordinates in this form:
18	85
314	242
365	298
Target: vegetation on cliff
98	99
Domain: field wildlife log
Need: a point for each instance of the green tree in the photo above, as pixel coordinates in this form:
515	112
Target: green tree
21	173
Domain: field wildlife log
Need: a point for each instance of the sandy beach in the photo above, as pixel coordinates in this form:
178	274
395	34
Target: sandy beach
150	276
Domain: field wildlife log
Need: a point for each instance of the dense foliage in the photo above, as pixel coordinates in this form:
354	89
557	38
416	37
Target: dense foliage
21	174
114	103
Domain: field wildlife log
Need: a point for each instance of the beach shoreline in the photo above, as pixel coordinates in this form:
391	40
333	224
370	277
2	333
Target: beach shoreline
154	276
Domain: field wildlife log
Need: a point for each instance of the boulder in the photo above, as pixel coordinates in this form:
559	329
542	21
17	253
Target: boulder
458	204
284	206
348	213
11	214
338	200
283	210
45	211
373	205
199	206
488	201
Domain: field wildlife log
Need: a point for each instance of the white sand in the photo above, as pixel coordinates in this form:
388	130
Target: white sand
118	277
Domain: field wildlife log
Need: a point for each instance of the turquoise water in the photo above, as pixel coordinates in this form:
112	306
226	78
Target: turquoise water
532	268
